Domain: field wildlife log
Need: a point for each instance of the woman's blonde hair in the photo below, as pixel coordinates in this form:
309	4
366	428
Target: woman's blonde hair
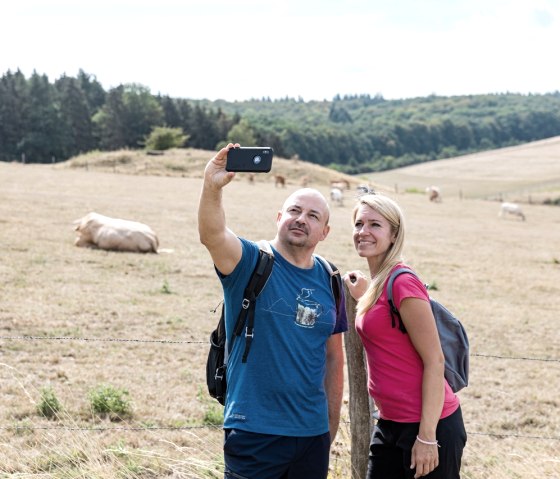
392	212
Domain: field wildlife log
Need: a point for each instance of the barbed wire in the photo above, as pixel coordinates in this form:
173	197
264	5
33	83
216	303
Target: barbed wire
219	427
517	436
106	428
115	340
178	341
524	358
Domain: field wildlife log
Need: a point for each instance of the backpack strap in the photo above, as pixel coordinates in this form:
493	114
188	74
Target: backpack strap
394	310
336	280
256	283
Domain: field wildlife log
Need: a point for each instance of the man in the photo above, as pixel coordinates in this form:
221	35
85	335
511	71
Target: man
283	404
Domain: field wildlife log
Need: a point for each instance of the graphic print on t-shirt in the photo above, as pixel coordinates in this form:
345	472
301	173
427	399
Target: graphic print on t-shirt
308	310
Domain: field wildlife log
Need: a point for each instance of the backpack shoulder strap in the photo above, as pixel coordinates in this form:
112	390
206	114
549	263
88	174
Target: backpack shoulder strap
256	283
394	310
264	245
336	280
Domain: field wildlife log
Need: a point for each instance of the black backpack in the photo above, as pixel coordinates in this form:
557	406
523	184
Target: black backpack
216	364
452	335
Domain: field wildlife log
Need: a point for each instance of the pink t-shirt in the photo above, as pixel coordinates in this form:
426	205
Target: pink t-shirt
394	367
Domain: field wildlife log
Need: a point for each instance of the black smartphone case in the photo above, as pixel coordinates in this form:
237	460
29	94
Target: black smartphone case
253	159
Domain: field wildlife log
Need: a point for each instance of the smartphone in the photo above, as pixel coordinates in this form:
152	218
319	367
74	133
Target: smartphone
256	159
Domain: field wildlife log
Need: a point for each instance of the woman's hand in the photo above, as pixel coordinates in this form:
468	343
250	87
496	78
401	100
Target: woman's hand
357	283
425	458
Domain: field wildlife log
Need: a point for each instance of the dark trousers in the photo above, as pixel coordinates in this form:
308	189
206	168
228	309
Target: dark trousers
250	455
391	446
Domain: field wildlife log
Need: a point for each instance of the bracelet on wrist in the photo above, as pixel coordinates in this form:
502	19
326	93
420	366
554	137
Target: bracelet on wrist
429	443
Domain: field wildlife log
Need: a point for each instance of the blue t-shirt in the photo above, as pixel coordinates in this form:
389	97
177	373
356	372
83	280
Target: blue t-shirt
280	389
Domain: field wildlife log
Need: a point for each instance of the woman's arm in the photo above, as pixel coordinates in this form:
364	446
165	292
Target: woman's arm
420	324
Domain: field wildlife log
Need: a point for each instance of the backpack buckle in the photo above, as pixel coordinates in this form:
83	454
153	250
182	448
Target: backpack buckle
249	334
220	373
245	303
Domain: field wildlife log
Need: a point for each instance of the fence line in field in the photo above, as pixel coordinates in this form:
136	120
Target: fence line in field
180	428
106	340
216	427
173	341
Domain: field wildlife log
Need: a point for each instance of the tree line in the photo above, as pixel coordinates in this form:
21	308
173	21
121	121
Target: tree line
42	122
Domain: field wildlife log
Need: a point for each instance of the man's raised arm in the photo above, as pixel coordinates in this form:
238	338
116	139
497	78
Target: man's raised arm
223	245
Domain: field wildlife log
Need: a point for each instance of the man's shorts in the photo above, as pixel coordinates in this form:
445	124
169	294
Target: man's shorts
250	455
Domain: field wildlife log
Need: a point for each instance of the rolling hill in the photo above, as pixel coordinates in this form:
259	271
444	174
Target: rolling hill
524	173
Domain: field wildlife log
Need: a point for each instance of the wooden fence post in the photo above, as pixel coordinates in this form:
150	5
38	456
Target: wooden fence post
359	408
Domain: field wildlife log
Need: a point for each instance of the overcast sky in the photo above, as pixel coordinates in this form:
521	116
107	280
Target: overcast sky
313	49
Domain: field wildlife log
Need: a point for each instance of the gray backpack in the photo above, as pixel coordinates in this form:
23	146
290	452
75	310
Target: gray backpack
452	336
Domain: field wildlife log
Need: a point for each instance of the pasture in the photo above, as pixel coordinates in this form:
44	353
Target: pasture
72	319
525	173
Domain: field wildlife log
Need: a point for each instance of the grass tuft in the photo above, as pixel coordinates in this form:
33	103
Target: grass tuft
49	406
107	400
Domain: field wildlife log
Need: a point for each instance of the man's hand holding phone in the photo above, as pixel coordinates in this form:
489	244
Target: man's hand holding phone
215	174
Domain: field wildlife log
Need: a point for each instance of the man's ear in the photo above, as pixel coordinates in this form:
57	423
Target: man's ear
326	231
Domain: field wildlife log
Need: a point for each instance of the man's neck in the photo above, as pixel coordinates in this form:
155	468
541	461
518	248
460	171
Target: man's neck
299	256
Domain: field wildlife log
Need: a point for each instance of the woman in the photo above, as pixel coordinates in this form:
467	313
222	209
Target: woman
420	431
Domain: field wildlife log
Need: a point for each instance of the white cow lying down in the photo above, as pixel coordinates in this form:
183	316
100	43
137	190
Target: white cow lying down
512	209
98	231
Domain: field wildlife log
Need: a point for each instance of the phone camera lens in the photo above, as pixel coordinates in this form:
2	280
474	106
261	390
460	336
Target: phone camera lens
257	160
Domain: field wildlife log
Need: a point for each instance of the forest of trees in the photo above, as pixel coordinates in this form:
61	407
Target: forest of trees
42	122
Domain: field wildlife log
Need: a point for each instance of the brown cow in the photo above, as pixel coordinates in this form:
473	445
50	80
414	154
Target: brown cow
434	193
98	231
279	180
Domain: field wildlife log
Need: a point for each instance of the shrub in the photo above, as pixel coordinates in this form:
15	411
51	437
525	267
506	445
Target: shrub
165	288
49	406
214	415
111	401
163	138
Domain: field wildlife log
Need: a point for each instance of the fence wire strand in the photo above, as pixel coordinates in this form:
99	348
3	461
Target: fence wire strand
179	341
106	340
216	427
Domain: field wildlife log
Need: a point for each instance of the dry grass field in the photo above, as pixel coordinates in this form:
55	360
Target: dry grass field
75	319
